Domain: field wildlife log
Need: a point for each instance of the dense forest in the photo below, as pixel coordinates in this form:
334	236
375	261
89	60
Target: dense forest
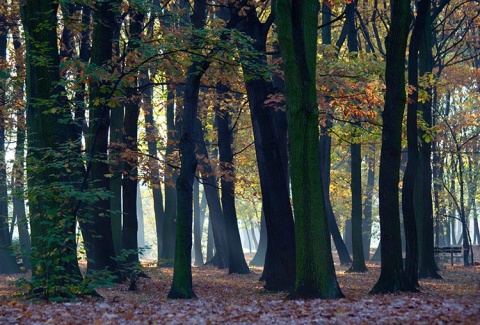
190	131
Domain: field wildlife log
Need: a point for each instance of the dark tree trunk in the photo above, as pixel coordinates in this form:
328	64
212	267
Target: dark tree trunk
315	273
213	200
279	270
182	272
130	171
54	264
427	266
236	258
358	264
392	276
102	246
367	212
171	174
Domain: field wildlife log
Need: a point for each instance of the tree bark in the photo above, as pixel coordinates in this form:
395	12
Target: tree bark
182	272
236	258
279	270
315	273
392	276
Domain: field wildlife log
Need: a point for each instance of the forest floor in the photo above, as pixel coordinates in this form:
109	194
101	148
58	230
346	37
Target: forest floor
241	299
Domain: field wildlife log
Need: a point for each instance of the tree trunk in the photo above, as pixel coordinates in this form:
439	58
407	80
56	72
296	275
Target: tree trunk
427	266
130	171
55	268
315	273
171	175
367	212
102	246
236	258
279	270
392	276
182	271
213	200
358	264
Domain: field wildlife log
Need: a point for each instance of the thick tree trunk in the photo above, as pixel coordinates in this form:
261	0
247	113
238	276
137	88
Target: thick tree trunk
102	246
55	268
392	276
315	273
279	270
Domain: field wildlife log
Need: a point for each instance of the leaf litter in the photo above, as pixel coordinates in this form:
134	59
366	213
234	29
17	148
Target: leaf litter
240	299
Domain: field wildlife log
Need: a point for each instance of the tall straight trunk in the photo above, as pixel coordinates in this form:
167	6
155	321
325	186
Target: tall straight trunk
392	276
412	201
358	264
102	246
54	264
8	264
182	272
367	212
117	116
213	200
427	266
279	270
325	153
130	171
236	258
171	175
197	225
315	273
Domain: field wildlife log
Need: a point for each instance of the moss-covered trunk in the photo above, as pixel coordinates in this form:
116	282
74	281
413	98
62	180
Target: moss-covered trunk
297	32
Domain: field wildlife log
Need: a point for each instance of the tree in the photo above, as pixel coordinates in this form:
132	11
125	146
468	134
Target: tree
358	264
102	246
297	32
392	276
55	269
182	273
272	161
